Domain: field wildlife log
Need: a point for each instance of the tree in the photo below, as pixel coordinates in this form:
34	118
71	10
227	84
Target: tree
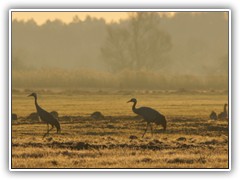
137	44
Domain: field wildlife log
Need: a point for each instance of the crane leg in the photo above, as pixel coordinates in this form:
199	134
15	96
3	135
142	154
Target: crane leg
47	132
151	129
145	130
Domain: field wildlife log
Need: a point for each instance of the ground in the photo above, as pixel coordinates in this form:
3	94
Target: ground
191	140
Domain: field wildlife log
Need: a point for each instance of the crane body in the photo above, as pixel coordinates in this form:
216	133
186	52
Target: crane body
149	115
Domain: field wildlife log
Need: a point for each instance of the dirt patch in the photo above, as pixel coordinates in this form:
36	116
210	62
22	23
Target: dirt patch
110	126
54	163
145	160
29	155
181	139
133	137
180	161
212	142
155	145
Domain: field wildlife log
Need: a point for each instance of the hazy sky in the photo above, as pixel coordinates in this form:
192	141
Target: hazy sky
41	17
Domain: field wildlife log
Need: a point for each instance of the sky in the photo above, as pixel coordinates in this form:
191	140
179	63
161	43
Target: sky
67	17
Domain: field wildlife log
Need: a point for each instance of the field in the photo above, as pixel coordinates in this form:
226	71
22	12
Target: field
191	140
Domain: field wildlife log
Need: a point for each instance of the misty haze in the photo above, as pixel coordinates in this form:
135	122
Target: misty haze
145	51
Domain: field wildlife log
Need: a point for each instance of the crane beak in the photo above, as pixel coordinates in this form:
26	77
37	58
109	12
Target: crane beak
129	101
29	95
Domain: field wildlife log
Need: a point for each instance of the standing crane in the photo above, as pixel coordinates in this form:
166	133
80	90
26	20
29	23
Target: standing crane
223	115
46	117
149	115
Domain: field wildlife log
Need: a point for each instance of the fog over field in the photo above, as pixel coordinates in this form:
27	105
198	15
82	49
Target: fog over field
145	51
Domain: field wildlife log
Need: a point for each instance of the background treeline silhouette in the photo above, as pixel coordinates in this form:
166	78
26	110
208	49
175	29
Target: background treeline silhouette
145	51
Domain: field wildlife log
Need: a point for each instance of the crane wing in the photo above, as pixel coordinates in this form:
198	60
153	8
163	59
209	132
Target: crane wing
147	113
46	116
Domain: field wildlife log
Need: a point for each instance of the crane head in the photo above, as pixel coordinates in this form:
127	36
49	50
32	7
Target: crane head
33	94
134	100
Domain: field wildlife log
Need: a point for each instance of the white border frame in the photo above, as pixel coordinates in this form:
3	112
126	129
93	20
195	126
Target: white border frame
121	10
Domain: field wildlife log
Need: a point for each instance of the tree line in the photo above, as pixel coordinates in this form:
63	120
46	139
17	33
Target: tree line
186	45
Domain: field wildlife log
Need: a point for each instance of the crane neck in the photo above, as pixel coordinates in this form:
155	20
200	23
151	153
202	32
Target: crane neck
225	108
36	104
134	106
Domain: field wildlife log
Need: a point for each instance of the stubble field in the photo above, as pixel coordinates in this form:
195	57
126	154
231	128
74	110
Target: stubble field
191	140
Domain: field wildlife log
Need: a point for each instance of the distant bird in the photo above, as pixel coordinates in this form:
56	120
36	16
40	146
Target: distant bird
46	117
213	115
223	115
149	115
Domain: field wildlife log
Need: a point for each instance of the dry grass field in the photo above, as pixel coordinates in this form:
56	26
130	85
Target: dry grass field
191	140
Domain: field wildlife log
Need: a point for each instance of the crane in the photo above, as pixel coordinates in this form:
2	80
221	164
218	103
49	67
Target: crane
223	115
46	117
149	115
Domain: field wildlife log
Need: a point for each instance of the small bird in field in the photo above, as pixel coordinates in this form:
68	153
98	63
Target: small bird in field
213	115
149	115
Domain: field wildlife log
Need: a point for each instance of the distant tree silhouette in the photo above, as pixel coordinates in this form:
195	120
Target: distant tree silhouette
137	44
59	54
76	19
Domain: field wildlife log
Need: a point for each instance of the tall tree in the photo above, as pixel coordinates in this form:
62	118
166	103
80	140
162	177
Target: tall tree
137	44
